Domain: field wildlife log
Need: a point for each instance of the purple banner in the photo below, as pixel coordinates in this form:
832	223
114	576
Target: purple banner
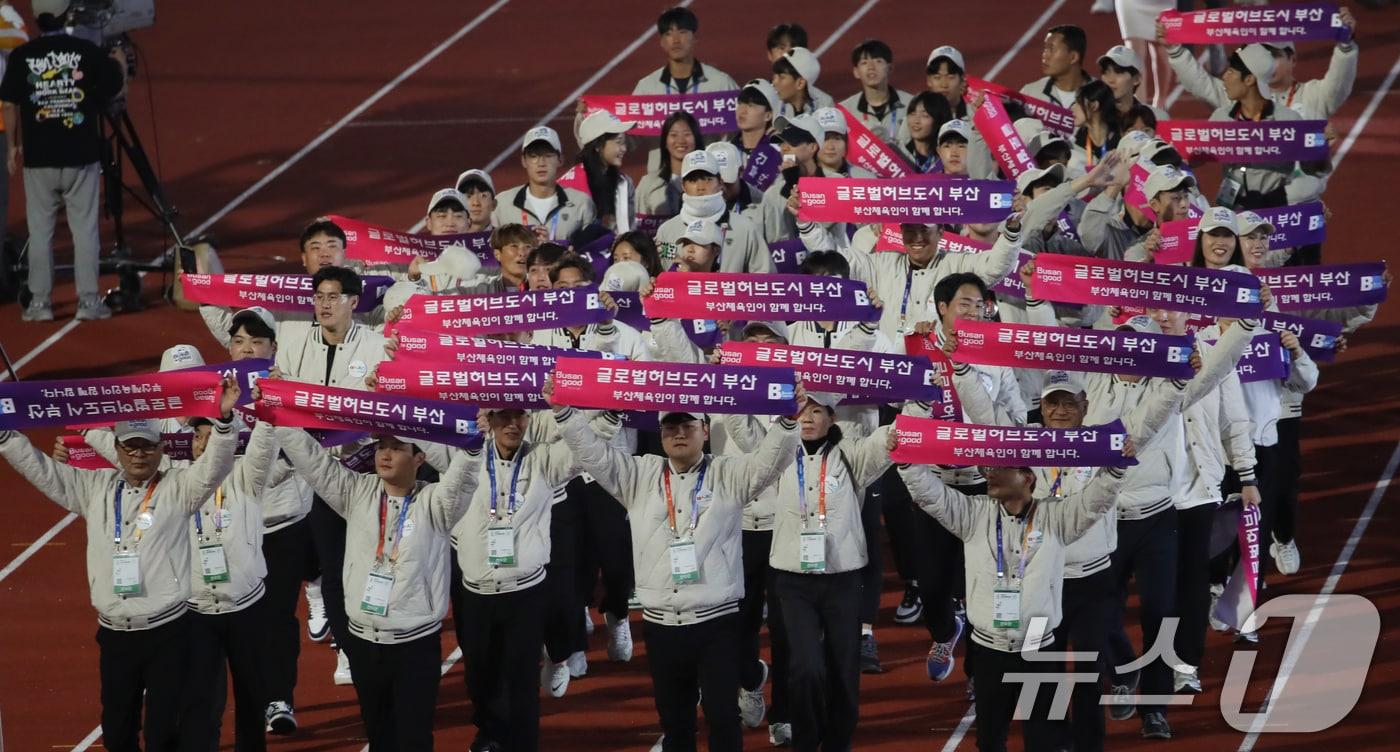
1270	24
648	224
457	349
1053	347
609	385
629	310
1298	288
1264	360
763	166
918	200
787	255
180	446
864	377
1317	337
505	311
88	402
1247	141
926	441
1078	279
1296	225
247	371
494	385
767	297
291	403
713	110
374	244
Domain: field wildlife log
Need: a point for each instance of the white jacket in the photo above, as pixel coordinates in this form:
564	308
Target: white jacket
1217	432
302	357
240	532
729	484
744	249
1317	99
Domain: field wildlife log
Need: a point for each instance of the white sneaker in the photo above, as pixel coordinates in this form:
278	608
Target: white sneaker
1102	6
752	706
342	669
1250	637
1186	678
577	663
1215	592
659	745
1286	557
558	675
587	622
619	638
780	734
317	625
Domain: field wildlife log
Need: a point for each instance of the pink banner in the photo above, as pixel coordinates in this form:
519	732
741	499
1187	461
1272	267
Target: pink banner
276	292
1055	117
82	456
729	296
925	441
374	244
1241	595
505	311
868	377
1247	141
704	388
421	345
174	394
891	238
648	224
865	150
923	200
292	403
992	343
714	110
1178	243
574	179
1271	24
1079	279
949	408
489	385
995	126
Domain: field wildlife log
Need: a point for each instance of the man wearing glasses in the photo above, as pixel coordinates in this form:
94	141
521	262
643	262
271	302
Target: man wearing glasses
541	203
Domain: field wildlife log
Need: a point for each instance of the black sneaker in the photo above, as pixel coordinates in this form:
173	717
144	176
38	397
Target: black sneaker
911	607
1154	726
1123	706
869	655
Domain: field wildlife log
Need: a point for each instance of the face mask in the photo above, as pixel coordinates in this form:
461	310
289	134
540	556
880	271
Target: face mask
703	206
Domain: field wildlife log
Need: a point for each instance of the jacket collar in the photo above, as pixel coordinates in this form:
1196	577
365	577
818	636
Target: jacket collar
697	74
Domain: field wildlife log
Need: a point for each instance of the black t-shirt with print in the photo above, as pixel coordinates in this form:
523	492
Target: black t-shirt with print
61	83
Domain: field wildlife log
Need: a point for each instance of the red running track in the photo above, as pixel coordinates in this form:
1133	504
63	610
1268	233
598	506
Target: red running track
240	92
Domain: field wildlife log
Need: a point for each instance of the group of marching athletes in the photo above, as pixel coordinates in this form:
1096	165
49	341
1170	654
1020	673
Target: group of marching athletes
717	527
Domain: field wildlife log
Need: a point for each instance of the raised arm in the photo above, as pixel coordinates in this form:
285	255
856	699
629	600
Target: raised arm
332	481
1195	79
1220	360
760	469
951	507
746	431
254	470
1149	415
672	344
196	483
870	459
67	486
453	492
1072	517
616	472
218	319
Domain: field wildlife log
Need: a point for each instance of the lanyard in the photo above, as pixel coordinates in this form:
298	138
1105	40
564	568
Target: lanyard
398	528
553	220
117	507
218	515
1291	91
694	497
514	478
1055	486
1025	537
904	304
821	488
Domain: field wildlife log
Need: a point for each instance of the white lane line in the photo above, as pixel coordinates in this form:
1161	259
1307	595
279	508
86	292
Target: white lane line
1366	114
1025	39
36	545
1295	647
301	153
89	740
961	730
845	27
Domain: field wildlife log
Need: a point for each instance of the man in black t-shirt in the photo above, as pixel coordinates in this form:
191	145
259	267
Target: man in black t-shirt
54	91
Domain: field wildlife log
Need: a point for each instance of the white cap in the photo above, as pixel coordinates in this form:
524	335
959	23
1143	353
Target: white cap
769	92
263	315
825	399
960	127
830	120
446	194
696	416
624	276
699	161
137	429
1248	222
1216	218
1280	46
1142	324
475	174
728	158
1027	127
703	232
1122	56
1165	178
601	123
51	7
950	52
1062	381
1025	179
454	261
805	123
180	357
805	63
1041	140
542	133
776	327
1131	145
1260	62
1153	148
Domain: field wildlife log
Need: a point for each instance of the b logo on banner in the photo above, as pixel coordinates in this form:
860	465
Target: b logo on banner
780	392
7	406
